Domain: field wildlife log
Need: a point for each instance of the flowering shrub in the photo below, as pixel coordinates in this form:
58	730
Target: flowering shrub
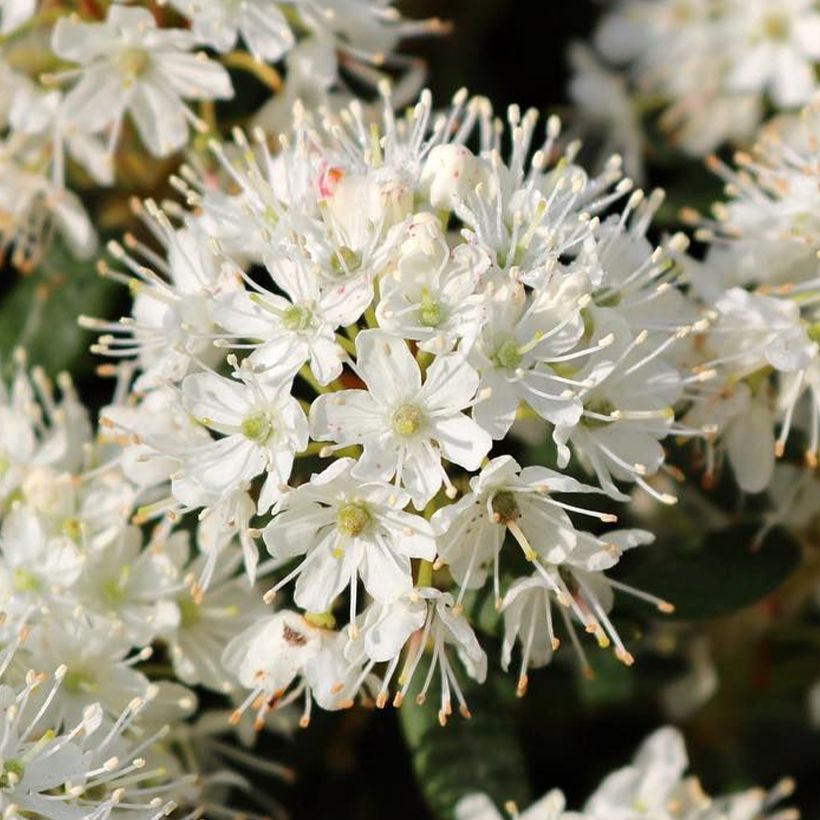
405	393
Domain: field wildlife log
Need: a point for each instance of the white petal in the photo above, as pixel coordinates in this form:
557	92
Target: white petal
388	367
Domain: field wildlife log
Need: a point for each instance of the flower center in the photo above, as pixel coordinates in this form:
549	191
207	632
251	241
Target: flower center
296	318
345	260
776	27
79	681
408	420
430	313
601	407
133	63
508	355
12	773
258	428
25	580
352	518
73	528
188	612
505	507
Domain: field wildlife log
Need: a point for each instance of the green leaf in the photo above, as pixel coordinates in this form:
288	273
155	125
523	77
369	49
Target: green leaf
479	754
39	312
611	681
729	570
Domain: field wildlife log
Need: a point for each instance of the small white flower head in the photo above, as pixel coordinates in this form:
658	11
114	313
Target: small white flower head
273	658
32	205
654	781
129	65
405	427
433	295
261	426
427	615
478	806
761	341
739	57
347	528
301	326
504	498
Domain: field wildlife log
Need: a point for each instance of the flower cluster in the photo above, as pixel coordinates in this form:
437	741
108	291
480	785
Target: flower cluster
653	786
69	85
391	299
89	728
758	282
710	67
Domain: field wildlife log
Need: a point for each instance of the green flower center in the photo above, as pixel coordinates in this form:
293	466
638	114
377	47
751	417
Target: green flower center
430	313
602	407
25	581
345	260
133	63
508	355
77	681
12	773
258	428
408	420
73	528
352	518
297	318
505	507
188	612
776	27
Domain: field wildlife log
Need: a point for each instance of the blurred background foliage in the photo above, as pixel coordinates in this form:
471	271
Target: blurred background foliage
750	609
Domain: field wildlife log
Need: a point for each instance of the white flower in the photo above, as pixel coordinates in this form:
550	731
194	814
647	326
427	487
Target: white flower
755	330
171	320
30	203
779	45
130	65
262	428
404	427
423	615
268	657
301	327
261	23
522	343
34	568
739	416
132	586
432	296
478	806
502	498
450	174
208	622
347	528
627	408
651	787
15	13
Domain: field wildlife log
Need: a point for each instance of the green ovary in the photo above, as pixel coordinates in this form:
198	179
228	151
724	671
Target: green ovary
352	519
408	420
345	260
189	613
133	63
505	507
25	581
258	428
508	355
297	318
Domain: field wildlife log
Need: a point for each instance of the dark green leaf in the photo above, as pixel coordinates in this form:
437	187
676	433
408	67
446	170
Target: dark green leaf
727	572
39	312
480	754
